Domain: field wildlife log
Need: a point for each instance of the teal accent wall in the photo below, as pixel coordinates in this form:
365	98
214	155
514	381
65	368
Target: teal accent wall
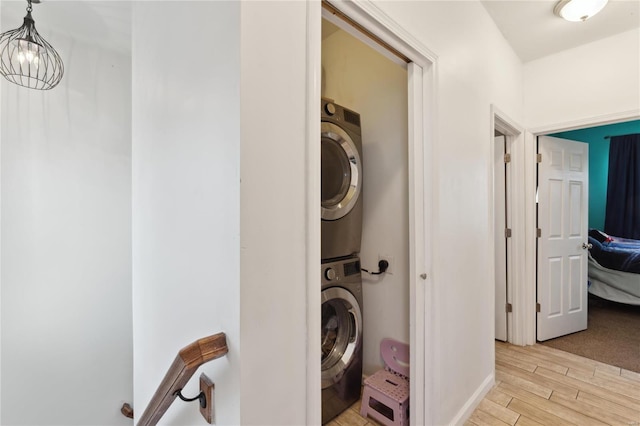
599	163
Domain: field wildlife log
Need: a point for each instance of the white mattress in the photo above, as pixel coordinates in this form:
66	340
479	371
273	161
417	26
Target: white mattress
617	286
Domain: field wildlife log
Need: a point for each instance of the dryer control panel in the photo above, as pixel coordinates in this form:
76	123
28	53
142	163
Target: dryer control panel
338	271
352	268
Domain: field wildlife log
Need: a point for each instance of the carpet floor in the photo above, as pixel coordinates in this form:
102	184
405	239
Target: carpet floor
612	335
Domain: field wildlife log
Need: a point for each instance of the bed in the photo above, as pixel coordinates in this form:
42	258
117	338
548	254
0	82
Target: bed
614	268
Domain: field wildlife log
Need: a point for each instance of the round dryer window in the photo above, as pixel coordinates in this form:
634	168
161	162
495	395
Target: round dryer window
341	172
341	332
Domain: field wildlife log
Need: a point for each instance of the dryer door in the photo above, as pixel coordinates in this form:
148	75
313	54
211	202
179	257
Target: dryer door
341	333
341	172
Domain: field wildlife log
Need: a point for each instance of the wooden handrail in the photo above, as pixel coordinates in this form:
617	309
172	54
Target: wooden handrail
188	360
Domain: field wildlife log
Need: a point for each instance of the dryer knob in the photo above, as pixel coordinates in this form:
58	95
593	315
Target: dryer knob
330	109
330	274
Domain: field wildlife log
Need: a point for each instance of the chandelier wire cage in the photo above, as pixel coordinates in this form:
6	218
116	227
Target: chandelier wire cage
27	59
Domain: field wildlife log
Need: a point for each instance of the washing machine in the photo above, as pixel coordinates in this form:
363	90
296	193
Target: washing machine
341	336
341	183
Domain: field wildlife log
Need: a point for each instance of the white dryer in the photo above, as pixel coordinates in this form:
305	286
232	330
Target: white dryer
341	185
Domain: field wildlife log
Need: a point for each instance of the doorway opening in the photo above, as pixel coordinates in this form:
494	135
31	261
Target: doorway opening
610	318
357	77
420	98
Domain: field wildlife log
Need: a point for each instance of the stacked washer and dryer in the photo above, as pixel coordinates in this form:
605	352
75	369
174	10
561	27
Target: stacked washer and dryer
341	234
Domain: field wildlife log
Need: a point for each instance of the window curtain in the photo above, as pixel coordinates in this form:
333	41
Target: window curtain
622	216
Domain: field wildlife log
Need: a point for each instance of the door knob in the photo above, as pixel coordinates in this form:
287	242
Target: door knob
587	246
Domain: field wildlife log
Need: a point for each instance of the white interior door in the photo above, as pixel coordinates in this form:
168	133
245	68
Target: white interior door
500	224
563	180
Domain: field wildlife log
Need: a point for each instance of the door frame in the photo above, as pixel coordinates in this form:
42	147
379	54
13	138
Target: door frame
529	284
422	75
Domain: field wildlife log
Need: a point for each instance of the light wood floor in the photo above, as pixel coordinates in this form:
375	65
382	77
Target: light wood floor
537	385
352	417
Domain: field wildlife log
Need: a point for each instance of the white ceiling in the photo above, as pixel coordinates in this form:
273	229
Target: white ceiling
534	31
528	25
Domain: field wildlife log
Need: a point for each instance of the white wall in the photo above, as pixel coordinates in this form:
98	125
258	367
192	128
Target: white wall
475	68
273	213
66	236
363	80
590	81
211	254
186	195
191	132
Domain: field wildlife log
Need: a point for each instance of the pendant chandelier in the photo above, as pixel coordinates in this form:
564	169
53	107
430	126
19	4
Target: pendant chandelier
27	59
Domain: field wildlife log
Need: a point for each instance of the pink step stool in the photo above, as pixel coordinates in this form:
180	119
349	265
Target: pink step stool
386	392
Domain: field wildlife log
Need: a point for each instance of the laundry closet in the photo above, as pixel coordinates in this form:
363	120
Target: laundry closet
359	77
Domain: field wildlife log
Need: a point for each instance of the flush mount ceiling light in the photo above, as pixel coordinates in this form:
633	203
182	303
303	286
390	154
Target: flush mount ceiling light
27	59
578	10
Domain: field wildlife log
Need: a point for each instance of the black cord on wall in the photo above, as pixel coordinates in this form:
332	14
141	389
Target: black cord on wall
383	265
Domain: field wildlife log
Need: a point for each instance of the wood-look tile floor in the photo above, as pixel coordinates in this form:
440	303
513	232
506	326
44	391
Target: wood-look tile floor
352	417
539	385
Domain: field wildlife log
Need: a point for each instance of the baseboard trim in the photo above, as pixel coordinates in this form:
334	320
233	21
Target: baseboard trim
472	403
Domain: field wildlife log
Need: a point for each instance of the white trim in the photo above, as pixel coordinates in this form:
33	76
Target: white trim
529	284
314	40
416	238
601	120
431	316
502	123
349	29
421	137
367	14
471	404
